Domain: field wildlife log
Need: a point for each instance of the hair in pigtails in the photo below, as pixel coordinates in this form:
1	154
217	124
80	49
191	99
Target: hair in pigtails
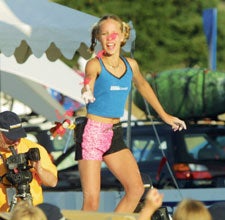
94	38
126	31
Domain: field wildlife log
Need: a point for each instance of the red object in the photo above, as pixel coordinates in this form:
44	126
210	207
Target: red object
161	165
183	171
86	81
100	54
60	128
112	36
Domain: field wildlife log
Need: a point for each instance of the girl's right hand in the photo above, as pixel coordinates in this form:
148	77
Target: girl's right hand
88	95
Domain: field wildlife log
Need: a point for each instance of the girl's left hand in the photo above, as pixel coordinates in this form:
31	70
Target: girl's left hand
176	123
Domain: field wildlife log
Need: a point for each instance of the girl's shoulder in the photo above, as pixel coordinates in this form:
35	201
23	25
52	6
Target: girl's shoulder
93	62
131	61
93	65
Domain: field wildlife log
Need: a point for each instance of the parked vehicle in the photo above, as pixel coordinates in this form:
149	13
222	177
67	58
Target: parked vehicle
187	159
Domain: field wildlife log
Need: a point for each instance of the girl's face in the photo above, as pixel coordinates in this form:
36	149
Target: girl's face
110	36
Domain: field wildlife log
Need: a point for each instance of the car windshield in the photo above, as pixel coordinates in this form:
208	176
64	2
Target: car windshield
189	146
146	148
61	146
205	147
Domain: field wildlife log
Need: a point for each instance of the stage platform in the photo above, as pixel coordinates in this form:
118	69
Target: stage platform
81	215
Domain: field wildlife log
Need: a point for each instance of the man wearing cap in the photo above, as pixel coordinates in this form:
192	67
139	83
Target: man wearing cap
44	171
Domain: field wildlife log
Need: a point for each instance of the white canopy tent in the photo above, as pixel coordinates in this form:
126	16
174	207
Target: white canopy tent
32	94
37	27
40	26
26	82
56	75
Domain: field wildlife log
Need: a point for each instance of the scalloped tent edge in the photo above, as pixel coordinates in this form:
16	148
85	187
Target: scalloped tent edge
37	27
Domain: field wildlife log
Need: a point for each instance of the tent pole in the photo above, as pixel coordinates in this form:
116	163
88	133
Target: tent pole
130	103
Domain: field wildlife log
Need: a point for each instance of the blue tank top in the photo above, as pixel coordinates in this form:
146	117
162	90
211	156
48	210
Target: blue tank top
111	92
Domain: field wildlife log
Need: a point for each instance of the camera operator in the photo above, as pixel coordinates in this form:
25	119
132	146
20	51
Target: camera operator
43	171
153	201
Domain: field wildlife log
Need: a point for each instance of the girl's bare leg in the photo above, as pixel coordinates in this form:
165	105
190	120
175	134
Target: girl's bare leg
124	166
90	181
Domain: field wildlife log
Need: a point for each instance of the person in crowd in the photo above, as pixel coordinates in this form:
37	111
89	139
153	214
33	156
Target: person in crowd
153	201
25	211
217	210
187	209
51	211
190	209
108	80
13	142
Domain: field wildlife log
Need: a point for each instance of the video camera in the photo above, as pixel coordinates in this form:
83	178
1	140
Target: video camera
161	214
18	166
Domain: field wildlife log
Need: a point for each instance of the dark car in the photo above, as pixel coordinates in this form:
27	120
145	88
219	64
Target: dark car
187	159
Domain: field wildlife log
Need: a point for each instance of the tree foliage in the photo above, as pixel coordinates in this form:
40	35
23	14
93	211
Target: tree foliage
169	34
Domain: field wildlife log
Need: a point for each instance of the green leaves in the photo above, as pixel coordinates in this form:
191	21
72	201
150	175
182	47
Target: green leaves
188	93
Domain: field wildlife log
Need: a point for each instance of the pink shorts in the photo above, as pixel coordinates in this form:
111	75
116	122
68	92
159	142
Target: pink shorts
97	139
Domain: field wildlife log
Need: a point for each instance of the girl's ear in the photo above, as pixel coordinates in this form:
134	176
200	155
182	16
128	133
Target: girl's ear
122	38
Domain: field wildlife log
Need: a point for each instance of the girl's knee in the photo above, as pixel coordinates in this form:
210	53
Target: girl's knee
140	190
136	191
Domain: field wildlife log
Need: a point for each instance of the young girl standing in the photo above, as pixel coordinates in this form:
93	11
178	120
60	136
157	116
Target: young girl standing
108	79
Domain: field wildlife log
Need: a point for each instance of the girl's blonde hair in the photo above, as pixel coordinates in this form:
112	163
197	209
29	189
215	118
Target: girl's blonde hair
189	209
125	28
25	211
